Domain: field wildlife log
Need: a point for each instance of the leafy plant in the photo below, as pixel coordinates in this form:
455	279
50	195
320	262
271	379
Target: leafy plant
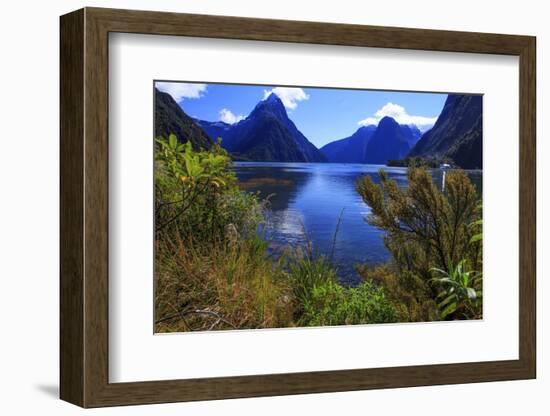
461	294
333	304
190	166
196	192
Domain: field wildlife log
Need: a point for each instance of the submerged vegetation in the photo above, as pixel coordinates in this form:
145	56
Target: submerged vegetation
215	270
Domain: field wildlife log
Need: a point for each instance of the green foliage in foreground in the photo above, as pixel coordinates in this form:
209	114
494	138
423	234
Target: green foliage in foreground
412	299
219	286
322	300
333	304
461	292
426	230
196	194
307	272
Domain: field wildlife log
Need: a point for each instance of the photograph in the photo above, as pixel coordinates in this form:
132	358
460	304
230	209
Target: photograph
288	206
251	204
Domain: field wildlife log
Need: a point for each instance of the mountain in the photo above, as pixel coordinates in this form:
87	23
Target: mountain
393	141
352	149
457	133
216	129
413	136
170	118
390	141
267	134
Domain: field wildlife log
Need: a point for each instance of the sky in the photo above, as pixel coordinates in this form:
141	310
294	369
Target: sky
321	114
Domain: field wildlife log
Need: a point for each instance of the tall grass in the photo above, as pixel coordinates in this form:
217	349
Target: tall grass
222	287
307	272
238	285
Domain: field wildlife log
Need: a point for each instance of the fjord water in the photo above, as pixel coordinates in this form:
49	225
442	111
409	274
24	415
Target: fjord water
307	200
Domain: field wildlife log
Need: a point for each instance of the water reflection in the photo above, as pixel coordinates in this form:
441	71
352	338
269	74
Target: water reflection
307	199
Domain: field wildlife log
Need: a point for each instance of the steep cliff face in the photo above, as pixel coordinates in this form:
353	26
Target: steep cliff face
457	133
171	119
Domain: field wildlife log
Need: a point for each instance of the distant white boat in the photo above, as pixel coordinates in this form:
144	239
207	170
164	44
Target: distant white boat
443	167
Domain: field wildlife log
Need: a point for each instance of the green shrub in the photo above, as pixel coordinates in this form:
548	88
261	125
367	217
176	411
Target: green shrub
425	228
196	194
460	296
242	210
411	297
333	304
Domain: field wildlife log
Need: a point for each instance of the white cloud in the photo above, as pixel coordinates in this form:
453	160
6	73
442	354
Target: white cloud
288	95
228	117
400	115
368	121
181	90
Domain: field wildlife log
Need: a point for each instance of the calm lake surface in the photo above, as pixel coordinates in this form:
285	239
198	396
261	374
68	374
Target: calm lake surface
307	200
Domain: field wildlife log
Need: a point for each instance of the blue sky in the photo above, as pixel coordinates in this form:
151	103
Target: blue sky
321	114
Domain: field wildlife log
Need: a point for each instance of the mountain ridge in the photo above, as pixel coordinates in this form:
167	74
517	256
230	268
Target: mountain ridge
351	149
171	119
267	134
358	147
389	141
457	133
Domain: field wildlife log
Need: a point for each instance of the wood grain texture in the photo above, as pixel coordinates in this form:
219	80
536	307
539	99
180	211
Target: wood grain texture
226	27
96	208
71	100
527	208
84	207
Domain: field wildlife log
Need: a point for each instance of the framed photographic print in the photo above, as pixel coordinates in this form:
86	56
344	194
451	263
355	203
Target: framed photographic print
256	207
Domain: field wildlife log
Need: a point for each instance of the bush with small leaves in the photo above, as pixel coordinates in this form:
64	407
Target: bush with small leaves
334	304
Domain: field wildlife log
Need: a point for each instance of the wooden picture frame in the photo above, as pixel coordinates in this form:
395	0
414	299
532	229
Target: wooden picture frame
84	207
